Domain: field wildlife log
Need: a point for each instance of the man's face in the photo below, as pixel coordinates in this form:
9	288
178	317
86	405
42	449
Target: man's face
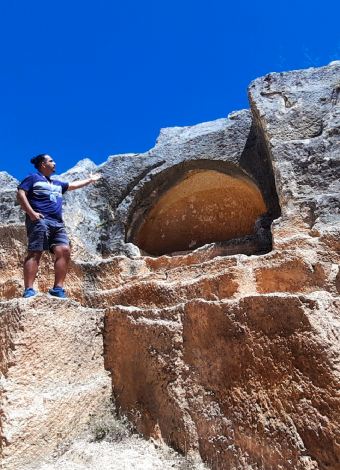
48	165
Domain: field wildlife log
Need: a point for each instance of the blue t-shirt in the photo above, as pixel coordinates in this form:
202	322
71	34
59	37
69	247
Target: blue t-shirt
44	195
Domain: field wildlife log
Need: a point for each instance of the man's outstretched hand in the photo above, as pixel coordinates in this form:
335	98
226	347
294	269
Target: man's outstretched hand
95	177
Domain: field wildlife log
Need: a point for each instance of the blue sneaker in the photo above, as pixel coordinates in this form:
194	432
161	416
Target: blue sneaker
29	292
58	292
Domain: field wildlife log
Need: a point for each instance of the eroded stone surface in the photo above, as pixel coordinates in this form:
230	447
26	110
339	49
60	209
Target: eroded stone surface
252	382
52	374
299	114
206	207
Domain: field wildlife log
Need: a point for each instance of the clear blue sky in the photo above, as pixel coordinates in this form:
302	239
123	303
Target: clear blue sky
93	78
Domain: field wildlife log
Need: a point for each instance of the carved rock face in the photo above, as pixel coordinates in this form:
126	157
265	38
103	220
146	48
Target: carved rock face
205	207
243	382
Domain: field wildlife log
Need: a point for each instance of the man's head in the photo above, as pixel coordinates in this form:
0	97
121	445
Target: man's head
44	164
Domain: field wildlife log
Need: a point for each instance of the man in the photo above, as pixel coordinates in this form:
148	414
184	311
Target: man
41	199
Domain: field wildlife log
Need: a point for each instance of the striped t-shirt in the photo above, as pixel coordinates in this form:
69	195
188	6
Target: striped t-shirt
44	195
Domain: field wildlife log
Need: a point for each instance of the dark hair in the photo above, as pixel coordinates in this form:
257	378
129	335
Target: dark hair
38	159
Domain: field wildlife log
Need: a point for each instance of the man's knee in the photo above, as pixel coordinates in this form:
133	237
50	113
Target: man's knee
62	251
35	255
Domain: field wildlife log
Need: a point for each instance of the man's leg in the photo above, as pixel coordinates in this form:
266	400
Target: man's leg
31	267
62	258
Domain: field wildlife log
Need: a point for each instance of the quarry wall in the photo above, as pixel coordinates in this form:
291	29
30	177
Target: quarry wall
205	291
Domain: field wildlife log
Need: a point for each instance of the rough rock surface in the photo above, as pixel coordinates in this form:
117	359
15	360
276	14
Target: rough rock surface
132	453
248	383
299	115
228	352
52	374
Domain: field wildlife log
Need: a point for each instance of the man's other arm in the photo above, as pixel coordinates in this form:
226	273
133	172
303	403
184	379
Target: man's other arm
80	183
26	206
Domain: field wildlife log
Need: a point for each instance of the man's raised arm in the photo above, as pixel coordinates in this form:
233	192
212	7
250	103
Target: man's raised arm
80	183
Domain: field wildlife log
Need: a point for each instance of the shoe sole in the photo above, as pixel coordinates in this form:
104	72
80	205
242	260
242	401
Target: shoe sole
57	296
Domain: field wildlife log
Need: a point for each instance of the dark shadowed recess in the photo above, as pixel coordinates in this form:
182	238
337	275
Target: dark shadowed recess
163	222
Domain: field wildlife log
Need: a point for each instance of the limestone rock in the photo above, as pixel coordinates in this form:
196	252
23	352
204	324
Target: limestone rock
99	217
235	359
10	211
299	115
52	374
247	383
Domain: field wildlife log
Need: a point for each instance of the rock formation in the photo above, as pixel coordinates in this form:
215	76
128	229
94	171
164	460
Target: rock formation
52	374
213	261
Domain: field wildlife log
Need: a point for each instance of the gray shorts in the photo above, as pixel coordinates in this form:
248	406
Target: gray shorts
43	234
